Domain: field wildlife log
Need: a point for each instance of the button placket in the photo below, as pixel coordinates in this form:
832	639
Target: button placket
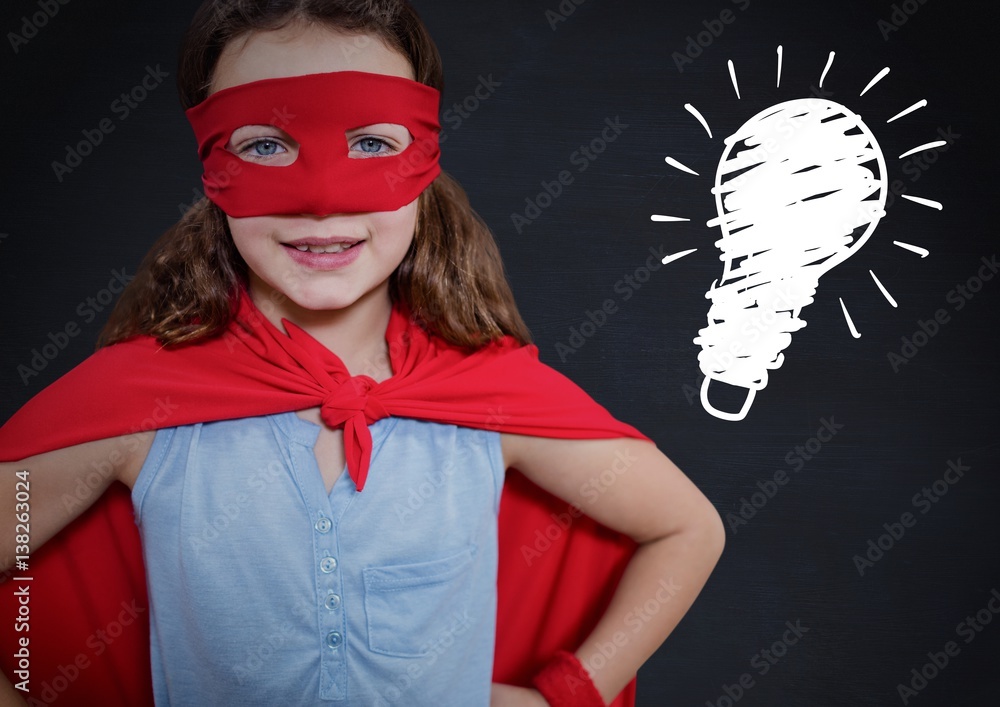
330	625
333	680
331	598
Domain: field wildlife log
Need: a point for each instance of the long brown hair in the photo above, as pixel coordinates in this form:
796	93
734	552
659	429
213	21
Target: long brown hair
452	278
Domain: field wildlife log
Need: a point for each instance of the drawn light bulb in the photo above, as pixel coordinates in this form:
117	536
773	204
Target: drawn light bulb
796	195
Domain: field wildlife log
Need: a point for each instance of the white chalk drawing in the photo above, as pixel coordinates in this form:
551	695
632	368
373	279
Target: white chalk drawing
800	187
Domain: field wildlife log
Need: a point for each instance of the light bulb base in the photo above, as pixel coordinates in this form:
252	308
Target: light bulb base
750	394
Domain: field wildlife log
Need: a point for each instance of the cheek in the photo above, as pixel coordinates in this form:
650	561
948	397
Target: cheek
247	233
397	227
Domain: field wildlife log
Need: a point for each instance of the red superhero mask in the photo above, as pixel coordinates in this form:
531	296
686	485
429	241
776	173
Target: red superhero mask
317	110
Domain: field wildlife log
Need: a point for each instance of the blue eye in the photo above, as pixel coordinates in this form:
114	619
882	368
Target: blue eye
267	145
264	147
372	145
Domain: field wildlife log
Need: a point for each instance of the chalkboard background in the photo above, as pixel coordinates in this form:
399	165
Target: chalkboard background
553	74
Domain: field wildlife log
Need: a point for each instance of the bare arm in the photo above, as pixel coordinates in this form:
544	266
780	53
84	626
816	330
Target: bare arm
58	486
41	495
630	486
8	694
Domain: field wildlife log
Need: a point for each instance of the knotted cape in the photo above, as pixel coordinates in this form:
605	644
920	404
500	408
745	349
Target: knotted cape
89	631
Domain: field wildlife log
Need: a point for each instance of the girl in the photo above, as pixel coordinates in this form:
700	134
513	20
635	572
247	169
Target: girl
334	305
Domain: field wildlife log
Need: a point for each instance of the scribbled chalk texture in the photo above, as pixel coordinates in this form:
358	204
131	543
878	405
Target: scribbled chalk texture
800	187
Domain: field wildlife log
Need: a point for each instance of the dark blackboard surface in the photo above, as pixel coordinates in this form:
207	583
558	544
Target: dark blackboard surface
556	74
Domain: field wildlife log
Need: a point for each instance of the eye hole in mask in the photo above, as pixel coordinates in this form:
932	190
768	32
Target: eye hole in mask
271	146
379	140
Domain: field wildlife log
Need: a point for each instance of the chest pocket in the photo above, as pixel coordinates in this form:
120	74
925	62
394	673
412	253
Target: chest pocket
408	606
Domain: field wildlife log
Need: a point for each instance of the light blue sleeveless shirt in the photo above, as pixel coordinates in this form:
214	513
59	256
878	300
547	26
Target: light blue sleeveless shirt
265	590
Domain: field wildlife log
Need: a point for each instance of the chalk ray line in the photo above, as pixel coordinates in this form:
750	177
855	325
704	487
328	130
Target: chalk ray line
701	119
878	77
684	168
919	104
924	202
829	63
850	322
780	51
922	252
677	256
921	148
662	217
732	75
881	287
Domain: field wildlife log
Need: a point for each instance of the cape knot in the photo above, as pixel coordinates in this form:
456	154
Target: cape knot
352	398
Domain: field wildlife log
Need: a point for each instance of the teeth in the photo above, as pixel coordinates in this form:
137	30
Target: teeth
335	248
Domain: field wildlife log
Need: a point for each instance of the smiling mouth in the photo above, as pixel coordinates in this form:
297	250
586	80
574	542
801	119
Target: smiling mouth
332	248
321	246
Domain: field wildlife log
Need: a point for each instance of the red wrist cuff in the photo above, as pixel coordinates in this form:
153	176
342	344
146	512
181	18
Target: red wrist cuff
564	682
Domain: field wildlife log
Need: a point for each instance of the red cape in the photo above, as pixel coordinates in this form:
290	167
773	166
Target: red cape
89	632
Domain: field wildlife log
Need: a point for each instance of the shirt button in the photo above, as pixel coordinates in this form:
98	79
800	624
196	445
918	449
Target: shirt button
328	564
334	639
323	525
333	602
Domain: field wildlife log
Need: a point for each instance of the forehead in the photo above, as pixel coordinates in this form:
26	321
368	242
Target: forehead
299	49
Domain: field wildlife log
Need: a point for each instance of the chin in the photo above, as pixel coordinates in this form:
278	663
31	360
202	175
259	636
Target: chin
322	301
319	295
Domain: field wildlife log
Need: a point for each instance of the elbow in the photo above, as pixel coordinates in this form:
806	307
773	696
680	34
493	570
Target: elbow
715	532
7	558
705	534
